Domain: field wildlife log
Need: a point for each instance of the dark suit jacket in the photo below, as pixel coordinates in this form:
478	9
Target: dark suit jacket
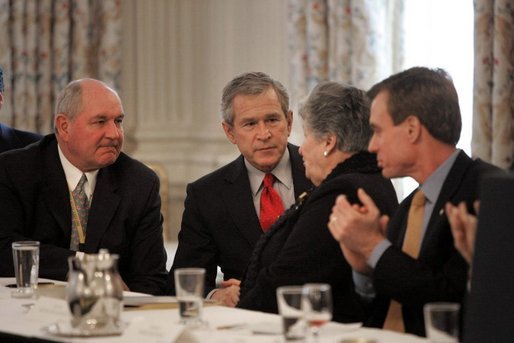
14	139
489	315
124	216
299	248
220	226
439	273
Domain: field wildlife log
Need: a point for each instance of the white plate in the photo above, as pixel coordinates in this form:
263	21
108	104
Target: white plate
64	329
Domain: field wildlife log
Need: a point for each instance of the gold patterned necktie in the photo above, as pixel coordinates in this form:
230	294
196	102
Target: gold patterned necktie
79	214
271	204
411	246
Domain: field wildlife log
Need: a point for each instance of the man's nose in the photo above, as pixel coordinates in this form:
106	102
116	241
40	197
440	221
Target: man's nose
113	130
372	146
264	132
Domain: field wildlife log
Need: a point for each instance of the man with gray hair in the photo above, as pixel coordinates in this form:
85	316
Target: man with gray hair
227	210
11	138
75	192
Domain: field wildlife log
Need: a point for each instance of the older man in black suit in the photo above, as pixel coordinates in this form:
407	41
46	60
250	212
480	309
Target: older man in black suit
76	192
11	138
224	214
411	259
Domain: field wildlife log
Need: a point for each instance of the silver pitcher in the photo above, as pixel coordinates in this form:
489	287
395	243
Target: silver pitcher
94	292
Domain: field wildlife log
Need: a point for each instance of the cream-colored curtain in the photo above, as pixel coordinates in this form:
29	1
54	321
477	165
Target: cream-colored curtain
493	98
353	41
44	44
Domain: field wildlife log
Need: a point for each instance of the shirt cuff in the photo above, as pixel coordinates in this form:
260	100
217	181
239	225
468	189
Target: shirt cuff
363	285
377	253
211	293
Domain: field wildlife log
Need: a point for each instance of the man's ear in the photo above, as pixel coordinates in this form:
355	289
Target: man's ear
1	99
413	127
229	132
62	125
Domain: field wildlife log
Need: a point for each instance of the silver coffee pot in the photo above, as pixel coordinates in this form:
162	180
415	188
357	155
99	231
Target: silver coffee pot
94	292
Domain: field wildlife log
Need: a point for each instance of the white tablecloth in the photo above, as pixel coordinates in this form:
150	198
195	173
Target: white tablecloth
27	317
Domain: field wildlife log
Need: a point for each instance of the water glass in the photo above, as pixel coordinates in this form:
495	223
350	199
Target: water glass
442	322
189	287
26	268
289	300
317	305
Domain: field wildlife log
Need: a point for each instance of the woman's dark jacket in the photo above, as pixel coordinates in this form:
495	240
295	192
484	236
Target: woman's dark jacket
299	248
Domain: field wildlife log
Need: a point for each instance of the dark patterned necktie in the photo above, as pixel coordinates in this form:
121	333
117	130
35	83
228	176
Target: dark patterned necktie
271	204
79	213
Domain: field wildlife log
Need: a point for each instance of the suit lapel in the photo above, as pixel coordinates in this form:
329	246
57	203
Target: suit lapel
450	186
55	191
103	207
240	203
237	196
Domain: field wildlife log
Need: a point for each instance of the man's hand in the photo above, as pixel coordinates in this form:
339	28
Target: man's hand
228	295
358	229
355	260
464	228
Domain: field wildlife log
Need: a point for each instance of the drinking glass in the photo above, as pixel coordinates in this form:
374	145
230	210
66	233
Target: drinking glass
317	306
26	268
189	286
442	322
289	301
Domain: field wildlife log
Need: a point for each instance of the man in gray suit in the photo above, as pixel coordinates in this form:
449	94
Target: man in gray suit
221	220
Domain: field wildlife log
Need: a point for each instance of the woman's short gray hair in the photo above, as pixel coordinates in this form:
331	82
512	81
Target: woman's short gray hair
343	110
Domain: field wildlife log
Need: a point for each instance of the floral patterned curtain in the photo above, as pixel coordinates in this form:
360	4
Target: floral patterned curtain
493	98
353	41
44	44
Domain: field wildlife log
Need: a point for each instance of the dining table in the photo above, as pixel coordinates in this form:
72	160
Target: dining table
152	319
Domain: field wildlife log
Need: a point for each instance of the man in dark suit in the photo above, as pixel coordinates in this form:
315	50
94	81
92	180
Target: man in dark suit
14	139
11	138
220	224
416	122
36	186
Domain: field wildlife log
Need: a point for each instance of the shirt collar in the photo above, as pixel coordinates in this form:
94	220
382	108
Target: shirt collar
282	173
433	184
73	175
